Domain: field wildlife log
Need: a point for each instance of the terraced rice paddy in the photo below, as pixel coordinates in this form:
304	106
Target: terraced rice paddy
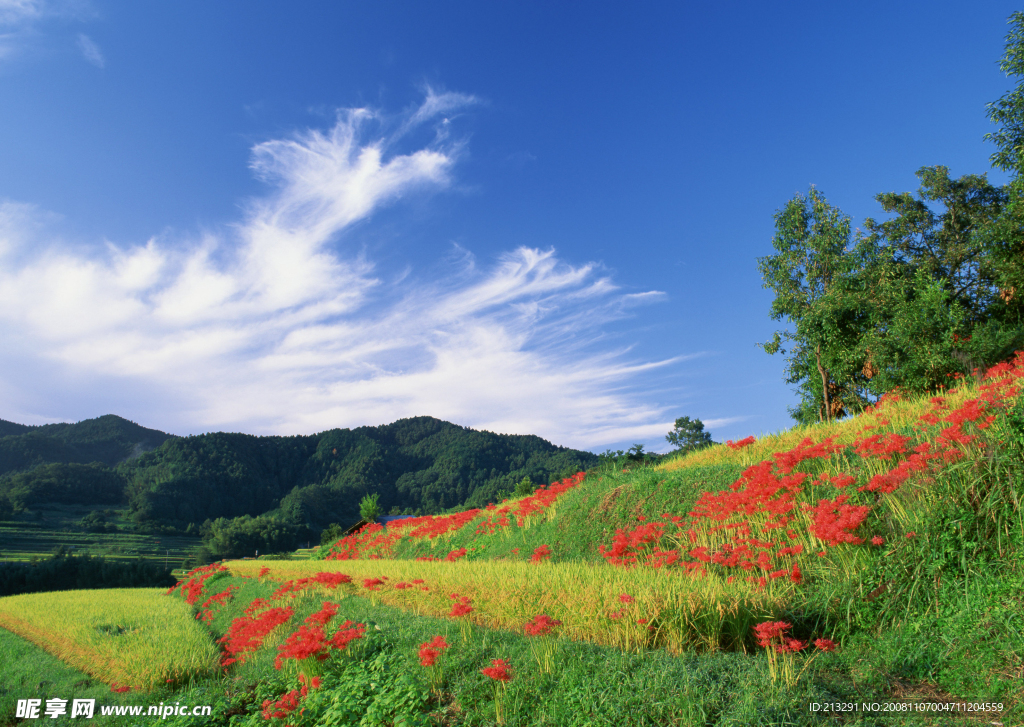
132	637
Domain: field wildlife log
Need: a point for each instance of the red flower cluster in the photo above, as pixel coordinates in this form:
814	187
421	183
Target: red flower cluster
301	644
246	633
194	582
541	625
882	447
835	521
375	541
294	587
310	639
540	553
431	650
284	706
455	555
461	607
629	545
119	689
263	571
324	615
543	497
768	631
372	584
740	444
206	609
347	633
289	701
499	670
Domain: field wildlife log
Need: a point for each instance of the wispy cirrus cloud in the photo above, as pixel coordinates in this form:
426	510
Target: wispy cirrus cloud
275	325
90	51
20	19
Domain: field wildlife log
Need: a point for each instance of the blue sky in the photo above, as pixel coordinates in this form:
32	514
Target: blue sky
539	218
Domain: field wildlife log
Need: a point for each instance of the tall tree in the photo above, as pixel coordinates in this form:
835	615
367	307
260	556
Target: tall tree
813	276
934	290
943	244
1003	238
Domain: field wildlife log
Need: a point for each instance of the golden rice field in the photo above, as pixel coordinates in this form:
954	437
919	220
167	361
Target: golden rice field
133	637
669	609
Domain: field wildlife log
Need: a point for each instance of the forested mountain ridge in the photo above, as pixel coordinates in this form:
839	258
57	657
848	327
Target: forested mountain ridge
107	439
418	464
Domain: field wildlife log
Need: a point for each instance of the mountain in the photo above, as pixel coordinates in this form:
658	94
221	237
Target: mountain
108	440
420	464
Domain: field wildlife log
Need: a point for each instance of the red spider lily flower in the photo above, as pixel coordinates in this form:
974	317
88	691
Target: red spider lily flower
305	642
825	644
431	650
641	620
498	670
878	540
540	553
418	581
626	598
347	633
263	571
455	555
541	625
462	607
324	615
768	630
428	656
257	604
288	703
740	444
246	633
308	684
911	534
119	690
372	584
790	645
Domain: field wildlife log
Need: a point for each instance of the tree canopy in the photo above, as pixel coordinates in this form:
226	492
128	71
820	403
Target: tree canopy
933	292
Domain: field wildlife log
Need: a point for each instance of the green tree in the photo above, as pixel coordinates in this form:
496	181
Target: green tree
813	275
1003	237
525	487
688	435
944	244
369	507
935	303
331	534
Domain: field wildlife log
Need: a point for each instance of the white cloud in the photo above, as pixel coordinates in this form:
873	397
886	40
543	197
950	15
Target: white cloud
90	51
20	22
274	326
16	12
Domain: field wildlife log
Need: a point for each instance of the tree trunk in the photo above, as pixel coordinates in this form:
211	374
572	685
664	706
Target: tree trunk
824	382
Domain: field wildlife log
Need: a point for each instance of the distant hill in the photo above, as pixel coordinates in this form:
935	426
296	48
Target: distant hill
107	439
420	464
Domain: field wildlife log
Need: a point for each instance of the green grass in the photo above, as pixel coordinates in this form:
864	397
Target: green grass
590	685
31	673
932	616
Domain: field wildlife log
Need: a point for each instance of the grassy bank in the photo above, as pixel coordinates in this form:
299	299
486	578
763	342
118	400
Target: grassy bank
876	560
